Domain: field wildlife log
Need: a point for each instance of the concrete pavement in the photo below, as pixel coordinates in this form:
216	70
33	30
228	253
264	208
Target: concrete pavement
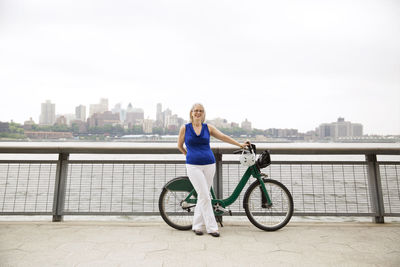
150	243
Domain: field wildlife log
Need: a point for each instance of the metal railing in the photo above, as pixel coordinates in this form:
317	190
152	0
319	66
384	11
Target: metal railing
131	187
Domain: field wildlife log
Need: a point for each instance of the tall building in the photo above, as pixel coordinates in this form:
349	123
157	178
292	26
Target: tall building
99	108
119	110
48	113
356	129
165	117
159	115
129	108
246	125
134	116
80	113
340	128
325	130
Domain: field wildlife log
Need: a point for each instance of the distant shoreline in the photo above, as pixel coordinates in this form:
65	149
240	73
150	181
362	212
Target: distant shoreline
127	140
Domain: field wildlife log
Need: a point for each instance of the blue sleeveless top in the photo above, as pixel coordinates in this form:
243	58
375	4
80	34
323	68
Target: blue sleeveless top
198	146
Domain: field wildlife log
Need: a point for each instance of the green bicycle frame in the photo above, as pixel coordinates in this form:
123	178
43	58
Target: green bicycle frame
251	171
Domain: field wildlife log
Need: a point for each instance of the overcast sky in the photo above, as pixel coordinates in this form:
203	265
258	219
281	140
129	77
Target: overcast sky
280	64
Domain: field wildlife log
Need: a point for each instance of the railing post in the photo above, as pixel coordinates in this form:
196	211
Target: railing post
59	187
218	175
218	179
375	188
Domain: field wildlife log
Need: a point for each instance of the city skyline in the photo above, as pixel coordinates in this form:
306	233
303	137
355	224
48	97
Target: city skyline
281	64
100	108
122	123
103	106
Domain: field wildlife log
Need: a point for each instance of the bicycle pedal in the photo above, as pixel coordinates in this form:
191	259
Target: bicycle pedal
224	211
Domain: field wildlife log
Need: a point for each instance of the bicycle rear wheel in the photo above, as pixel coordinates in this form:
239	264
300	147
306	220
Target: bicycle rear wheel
263	216
174	211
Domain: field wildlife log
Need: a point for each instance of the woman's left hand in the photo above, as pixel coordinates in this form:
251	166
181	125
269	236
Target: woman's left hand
245	144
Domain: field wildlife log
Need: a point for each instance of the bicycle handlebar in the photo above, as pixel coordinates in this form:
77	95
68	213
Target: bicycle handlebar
250	148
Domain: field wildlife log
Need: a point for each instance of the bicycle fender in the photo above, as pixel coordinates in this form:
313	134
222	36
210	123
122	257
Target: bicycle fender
180	184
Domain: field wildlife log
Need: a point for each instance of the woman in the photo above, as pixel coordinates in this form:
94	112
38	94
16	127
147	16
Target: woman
200	165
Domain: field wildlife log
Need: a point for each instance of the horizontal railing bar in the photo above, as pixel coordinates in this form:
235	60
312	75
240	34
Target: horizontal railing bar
368	214
309	162
233	214
183	162
28	161
24	213
127	161
171	148
389	162
157	213
139	213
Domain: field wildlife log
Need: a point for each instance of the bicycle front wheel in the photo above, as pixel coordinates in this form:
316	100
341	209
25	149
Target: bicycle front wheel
174	211
268	217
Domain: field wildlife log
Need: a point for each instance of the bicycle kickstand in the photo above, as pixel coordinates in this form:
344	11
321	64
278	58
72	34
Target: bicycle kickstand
219	219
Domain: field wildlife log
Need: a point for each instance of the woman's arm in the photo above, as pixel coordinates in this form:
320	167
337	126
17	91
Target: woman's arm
223	137
181	140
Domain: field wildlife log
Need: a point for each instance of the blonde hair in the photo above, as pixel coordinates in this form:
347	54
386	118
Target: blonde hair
191	110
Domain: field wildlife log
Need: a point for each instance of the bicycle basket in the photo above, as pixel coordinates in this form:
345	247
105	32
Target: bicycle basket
264	160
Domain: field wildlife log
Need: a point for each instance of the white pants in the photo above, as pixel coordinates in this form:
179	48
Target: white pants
201	177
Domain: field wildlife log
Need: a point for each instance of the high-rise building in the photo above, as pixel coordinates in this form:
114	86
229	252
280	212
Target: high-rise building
80	113
119	110
159	115
48	113
134	116
99	108
165	115
129	108
246	125
356	129
340	128
325	130
165	119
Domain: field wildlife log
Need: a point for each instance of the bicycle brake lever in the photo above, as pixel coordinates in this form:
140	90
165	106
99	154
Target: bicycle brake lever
240	151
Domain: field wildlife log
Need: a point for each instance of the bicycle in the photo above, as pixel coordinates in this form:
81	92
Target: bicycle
268	203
